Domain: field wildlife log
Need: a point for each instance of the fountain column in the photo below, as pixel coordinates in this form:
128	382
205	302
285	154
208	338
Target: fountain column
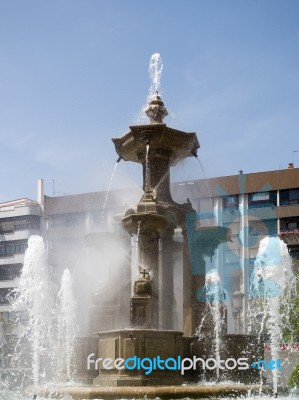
166	294
157	147
187	289
144	303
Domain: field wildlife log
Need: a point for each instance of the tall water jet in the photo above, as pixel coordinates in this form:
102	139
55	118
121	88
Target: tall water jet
137	258
272	286
34	297
155	73
214	317
107	194
67	326
3	341
205	178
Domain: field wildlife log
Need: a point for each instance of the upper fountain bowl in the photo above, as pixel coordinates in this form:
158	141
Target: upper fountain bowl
164	142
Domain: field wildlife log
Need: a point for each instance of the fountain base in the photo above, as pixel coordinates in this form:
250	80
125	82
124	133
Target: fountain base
152	392
139	344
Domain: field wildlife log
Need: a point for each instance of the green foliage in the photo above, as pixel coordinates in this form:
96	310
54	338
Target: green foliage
294	379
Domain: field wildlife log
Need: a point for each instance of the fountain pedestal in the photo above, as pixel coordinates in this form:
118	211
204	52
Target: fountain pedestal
137	344
143	305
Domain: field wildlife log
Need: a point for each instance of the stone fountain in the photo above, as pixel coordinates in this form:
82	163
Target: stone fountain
158	147
151	334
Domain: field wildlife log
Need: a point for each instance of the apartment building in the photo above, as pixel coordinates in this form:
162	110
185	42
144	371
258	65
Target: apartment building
19	219
252	206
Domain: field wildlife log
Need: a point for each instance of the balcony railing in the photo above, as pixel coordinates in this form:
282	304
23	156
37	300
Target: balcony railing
290	236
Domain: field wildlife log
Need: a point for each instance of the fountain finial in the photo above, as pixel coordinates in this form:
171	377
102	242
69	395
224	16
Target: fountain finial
156	110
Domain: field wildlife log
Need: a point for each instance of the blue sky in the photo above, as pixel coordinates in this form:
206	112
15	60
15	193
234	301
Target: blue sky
74	73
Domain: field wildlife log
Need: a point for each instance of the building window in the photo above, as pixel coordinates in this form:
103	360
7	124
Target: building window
289	197
266	227
30	222
5	294
231	202
10	272
289	224
262	199
9	225
10	248
294	253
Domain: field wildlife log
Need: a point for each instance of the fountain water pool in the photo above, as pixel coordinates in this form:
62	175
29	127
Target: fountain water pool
9	395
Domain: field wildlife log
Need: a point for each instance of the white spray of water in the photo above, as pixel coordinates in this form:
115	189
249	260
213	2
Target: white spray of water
229	312
214	298
3	344
272	286
67	325
155	73
107	196
147	172
3	341
137	246
206	181
34	296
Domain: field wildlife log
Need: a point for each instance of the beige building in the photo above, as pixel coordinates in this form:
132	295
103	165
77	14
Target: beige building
19	219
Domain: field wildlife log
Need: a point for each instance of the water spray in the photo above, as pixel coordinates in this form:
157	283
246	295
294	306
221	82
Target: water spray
147	172
272	285
107	193
205	177
155	72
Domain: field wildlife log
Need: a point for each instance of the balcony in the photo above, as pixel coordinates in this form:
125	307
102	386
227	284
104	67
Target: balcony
12	259
22	234
9	284
290	236
17	211
5	308
286	211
